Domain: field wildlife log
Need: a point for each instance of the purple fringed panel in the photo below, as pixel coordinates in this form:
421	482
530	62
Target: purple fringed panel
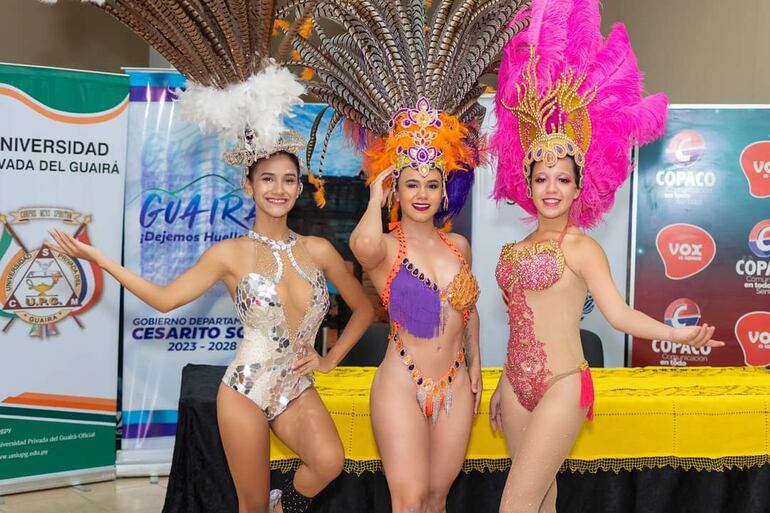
415	306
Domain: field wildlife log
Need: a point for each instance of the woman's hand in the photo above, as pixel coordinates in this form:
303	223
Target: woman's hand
696	336
495	411
312	361
375	188
69	245
476	385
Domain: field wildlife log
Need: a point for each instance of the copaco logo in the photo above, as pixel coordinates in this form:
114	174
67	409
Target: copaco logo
759	239
755	272
685	178
685	148
681	313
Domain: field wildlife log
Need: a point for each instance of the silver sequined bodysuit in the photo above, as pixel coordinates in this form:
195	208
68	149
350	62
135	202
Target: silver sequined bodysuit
261	369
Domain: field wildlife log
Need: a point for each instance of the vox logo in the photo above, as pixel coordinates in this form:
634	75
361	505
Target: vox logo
685	249
753	334
755	163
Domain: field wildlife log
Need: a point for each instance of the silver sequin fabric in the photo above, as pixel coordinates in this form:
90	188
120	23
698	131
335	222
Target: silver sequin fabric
261	369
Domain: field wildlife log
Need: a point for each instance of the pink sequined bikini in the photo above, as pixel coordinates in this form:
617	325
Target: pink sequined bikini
536	266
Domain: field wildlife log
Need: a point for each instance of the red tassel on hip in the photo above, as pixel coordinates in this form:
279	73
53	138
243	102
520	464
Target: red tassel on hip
586	390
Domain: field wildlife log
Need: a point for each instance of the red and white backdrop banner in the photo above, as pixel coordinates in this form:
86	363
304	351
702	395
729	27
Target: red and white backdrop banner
701	235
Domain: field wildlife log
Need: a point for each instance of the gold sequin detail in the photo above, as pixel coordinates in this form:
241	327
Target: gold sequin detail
543	265
464	291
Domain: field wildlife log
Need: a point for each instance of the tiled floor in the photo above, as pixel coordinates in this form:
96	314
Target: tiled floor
134	495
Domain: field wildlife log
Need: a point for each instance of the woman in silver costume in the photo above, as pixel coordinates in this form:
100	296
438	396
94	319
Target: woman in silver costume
277	279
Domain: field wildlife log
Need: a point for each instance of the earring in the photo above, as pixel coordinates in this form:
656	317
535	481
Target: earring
528	178
445	202
392	191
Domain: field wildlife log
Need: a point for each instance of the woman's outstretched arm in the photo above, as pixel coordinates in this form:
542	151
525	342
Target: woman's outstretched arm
188	286
593	266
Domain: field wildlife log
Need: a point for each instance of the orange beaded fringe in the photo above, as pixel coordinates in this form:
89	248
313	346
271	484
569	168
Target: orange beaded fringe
431	395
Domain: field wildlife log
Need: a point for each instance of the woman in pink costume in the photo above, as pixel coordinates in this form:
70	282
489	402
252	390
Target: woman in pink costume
569	109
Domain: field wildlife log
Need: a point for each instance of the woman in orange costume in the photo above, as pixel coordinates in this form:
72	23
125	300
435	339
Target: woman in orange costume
408	87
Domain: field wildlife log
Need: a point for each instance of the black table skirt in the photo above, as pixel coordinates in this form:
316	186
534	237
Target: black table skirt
200	481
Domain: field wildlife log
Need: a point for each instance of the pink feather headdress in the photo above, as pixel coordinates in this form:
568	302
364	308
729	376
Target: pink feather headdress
563	90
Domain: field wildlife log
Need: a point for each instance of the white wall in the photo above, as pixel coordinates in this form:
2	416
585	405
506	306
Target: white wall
699	51
66	35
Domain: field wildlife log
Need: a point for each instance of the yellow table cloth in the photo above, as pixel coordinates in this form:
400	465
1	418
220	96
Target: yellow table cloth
707	418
